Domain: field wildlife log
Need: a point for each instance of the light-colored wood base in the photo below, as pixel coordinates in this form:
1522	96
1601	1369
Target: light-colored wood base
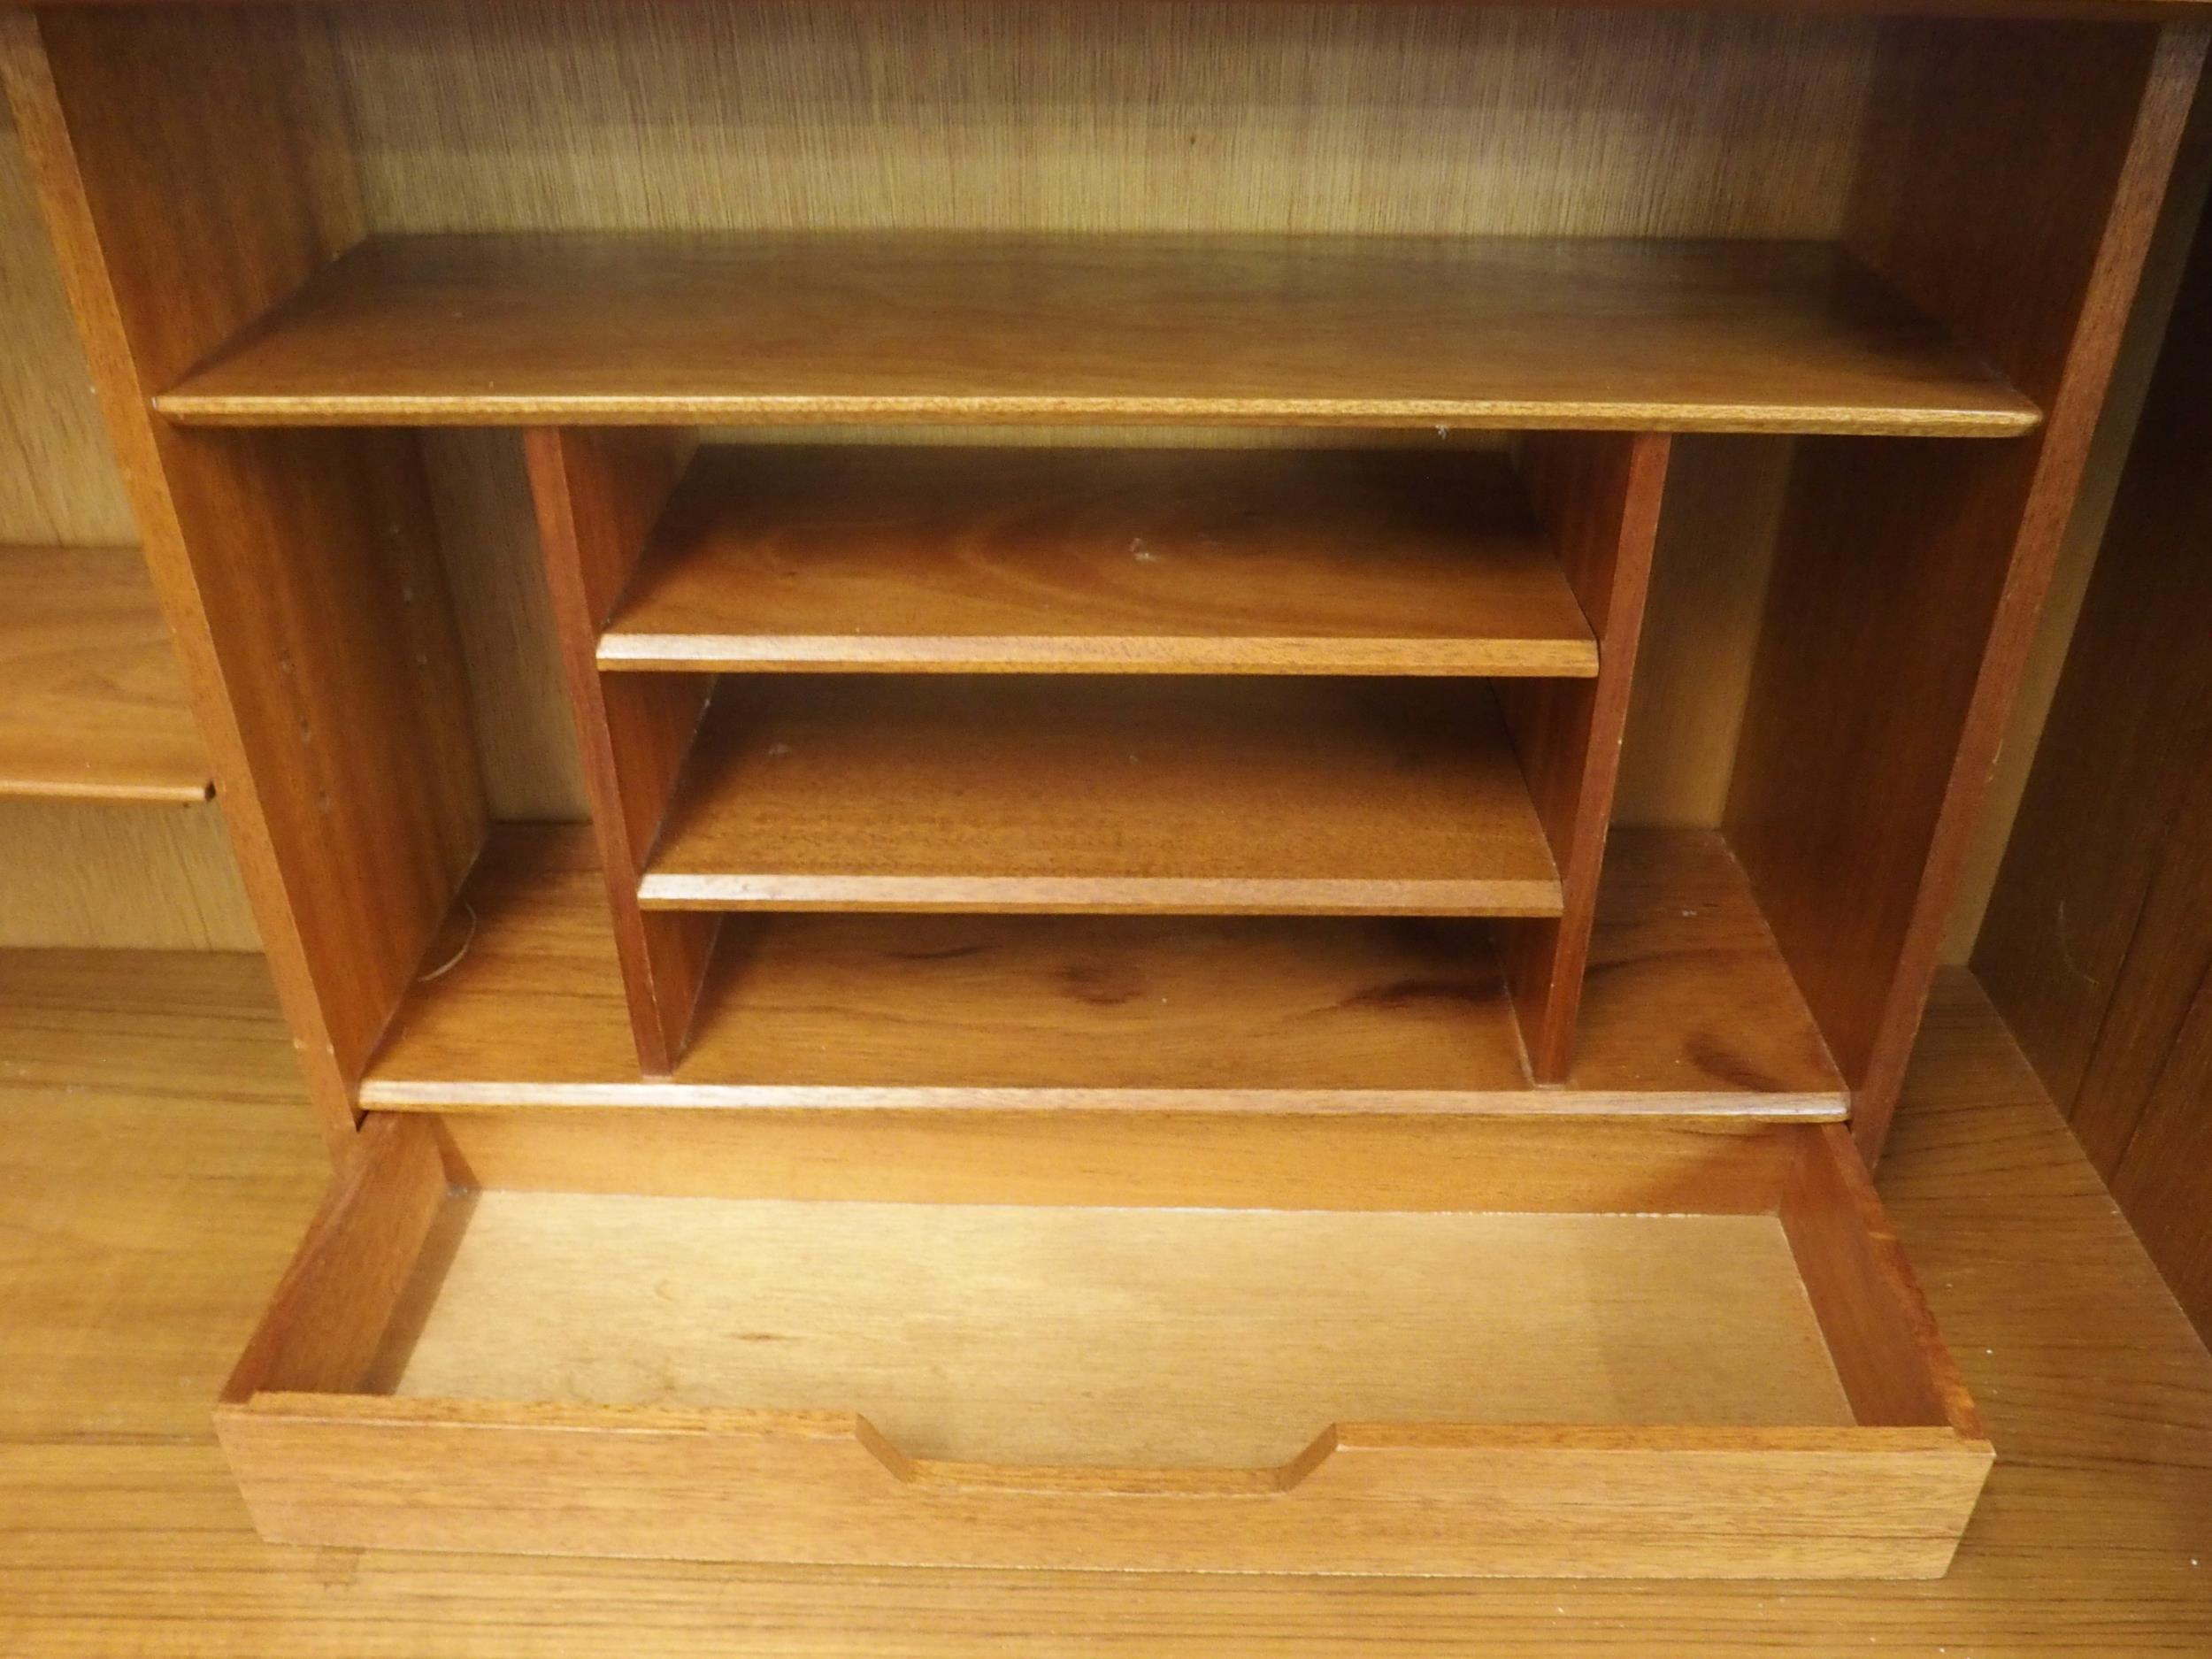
1522	1371
1689	1007
973	1332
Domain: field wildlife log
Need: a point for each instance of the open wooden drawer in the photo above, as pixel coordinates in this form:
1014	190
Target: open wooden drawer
1320	1344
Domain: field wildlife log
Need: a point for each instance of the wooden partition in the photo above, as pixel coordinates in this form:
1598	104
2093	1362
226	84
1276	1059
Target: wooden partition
1600	496
2100	934
1908	577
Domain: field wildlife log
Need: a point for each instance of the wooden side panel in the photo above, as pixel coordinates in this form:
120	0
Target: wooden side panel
1910	574
328	1316
2161	1181
1891	1363
1598	497
2098	943
2156	992
821	1487
597	495
188	170
2164	269
2129	736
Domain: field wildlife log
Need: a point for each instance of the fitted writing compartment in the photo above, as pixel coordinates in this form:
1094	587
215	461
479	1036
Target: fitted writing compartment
1135	1341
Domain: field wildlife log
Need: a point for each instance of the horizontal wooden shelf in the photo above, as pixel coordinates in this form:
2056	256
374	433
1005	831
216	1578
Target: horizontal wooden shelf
1468	1347
1103	793
1689	1007
515	330
1167	561
92	701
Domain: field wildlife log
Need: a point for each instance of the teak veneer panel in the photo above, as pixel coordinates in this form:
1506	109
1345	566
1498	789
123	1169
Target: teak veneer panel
1688	1007
1103	793
298	571
597	496
1167	561
92	703
1499	332
973	1332
1599	496
2011	182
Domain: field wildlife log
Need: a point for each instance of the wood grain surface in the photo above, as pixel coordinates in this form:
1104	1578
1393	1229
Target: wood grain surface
2100	934
92	704
2143	8
995	1439
134	1282
1688	1008
1175	561
2101	840
1854	814
597	495
549	330
298	571
119	877
1048	793
59	485
1407	119
1599	495
972	1332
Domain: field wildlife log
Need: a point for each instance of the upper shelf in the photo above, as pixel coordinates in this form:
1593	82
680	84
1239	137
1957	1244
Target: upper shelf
516	330
92	704
1190	561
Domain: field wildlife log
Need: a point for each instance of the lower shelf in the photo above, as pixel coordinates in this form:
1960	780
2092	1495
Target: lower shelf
1476	1346
1688	1007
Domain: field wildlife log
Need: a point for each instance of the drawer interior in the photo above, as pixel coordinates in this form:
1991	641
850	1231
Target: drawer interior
1134	1291
1108	1336
1320	1342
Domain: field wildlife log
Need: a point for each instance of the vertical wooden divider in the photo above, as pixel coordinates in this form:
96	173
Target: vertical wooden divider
192	166
1598	495
1908	574
598	494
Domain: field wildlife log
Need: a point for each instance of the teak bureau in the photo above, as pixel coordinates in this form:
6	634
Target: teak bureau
1085	1013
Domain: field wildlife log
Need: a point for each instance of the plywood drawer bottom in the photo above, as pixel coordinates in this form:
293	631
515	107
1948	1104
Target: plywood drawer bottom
1467	1347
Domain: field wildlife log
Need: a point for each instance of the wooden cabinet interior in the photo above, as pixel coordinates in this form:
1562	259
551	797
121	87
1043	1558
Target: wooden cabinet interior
1101	615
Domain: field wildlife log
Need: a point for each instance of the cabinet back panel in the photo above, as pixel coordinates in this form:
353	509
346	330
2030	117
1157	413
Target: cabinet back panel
58	486
1192	118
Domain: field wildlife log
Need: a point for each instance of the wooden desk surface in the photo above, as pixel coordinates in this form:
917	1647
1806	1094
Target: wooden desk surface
158	1162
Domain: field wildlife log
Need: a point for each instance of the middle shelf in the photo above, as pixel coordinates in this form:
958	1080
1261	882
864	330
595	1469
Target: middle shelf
1105	793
